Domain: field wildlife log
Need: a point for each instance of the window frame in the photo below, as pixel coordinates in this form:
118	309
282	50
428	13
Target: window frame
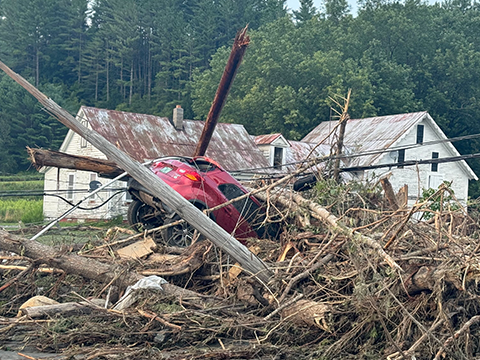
70	186
401	158
434	166
420	133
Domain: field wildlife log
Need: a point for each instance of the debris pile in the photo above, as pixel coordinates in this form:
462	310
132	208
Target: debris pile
359	282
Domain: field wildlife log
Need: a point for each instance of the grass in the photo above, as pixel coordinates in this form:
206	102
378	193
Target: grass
26	211
21	186
16	200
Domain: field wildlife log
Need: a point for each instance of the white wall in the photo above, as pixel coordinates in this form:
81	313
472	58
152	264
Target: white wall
418	177
56	180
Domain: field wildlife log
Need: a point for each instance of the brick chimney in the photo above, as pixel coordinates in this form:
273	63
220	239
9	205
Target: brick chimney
178	117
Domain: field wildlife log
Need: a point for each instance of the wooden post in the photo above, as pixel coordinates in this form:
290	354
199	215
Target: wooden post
250	262
389	193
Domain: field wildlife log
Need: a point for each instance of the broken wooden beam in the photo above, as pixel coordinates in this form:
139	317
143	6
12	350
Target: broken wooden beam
187	211
40	158
389	193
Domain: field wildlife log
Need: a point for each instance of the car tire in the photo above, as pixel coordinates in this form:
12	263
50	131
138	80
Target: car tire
180	235
142	216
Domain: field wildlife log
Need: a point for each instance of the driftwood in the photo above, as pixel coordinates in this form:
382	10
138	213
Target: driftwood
186	263
333	222
65	309
40	158
88	268
155	185
310	313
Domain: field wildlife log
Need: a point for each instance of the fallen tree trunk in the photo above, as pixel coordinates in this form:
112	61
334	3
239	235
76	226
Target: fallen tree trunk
40	158
88	268
333	223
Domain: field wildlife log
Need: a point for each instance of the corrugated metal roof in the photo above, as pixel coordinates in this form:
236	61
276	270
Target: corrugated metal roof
146	137
367	134
266	139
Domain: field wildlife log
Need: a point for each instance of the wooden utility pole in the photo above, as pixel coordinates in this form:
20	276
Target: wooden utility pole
212	231
236	55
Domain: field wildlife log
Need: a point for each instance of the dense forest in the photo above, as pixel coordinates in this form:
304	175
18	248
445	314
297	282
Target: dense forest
147	56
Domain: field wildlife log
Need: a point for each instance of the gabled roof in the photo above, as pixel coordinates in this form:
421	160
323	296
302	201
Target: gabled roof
367	134
146	137
272	139
378	133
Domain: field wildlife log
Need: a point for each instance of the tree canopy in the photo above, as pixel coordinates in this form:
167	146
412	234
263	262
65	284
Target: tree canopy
147	56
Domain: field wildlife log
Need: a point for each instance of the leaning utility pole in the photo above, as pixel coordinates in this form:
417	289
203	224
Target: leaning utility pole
236	55
211	230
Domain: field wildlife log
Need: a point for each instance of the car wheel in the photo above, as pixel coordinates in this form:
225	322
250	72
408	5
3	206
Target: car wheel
142	216
181	235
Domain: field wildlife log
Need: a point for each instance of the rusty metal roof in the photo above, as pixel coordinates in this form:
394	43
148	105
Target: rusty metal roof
146	137
367	134
266	139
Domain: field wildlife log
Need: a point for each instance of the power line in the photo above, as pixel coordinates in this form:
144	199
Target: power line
370	152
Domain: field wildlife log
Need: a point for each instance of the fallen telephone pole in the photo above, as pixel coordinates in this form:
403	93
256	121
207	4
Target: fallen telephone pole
236	55
212	231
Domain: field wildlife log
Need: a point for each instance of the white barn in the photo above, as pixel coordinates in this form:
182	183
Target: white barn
399	132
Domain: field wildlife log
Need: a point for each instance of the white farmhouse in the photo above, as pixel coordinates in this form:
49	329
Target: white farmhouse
402	137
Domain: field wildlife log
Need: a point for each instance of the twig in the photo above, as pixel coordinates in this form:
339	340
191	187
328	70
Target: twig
307	272
283	306
152	315
15	278
457	334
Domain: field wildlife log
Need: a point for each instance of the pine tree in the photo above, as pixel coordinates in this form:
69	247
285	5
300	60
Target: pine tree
305	12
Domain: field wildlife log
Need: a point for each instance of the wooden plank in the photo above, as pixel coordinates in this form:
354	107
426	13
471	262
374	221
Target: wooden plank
212	231
138	249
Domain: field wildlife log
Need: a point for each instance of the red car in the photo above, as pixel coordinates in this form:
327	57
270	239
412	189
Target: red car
205	184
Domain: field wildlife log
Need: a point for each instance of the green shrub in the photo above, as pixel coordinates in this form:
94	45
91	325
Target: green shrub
442	200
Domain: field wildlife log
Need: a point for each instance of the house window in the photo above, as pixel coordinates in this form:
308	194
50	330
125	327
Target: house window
71	182
83	141
401	158
435	165
277	157
420	131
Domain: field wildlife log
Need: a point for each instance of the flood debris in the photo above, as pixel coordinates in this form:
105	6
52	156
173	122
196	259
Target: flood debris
368	279
333	293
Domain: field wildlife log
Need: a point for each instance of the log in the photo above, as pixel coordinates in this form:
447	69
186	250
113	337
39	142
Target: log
65	309
91	269
309	313
186	210
40	158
